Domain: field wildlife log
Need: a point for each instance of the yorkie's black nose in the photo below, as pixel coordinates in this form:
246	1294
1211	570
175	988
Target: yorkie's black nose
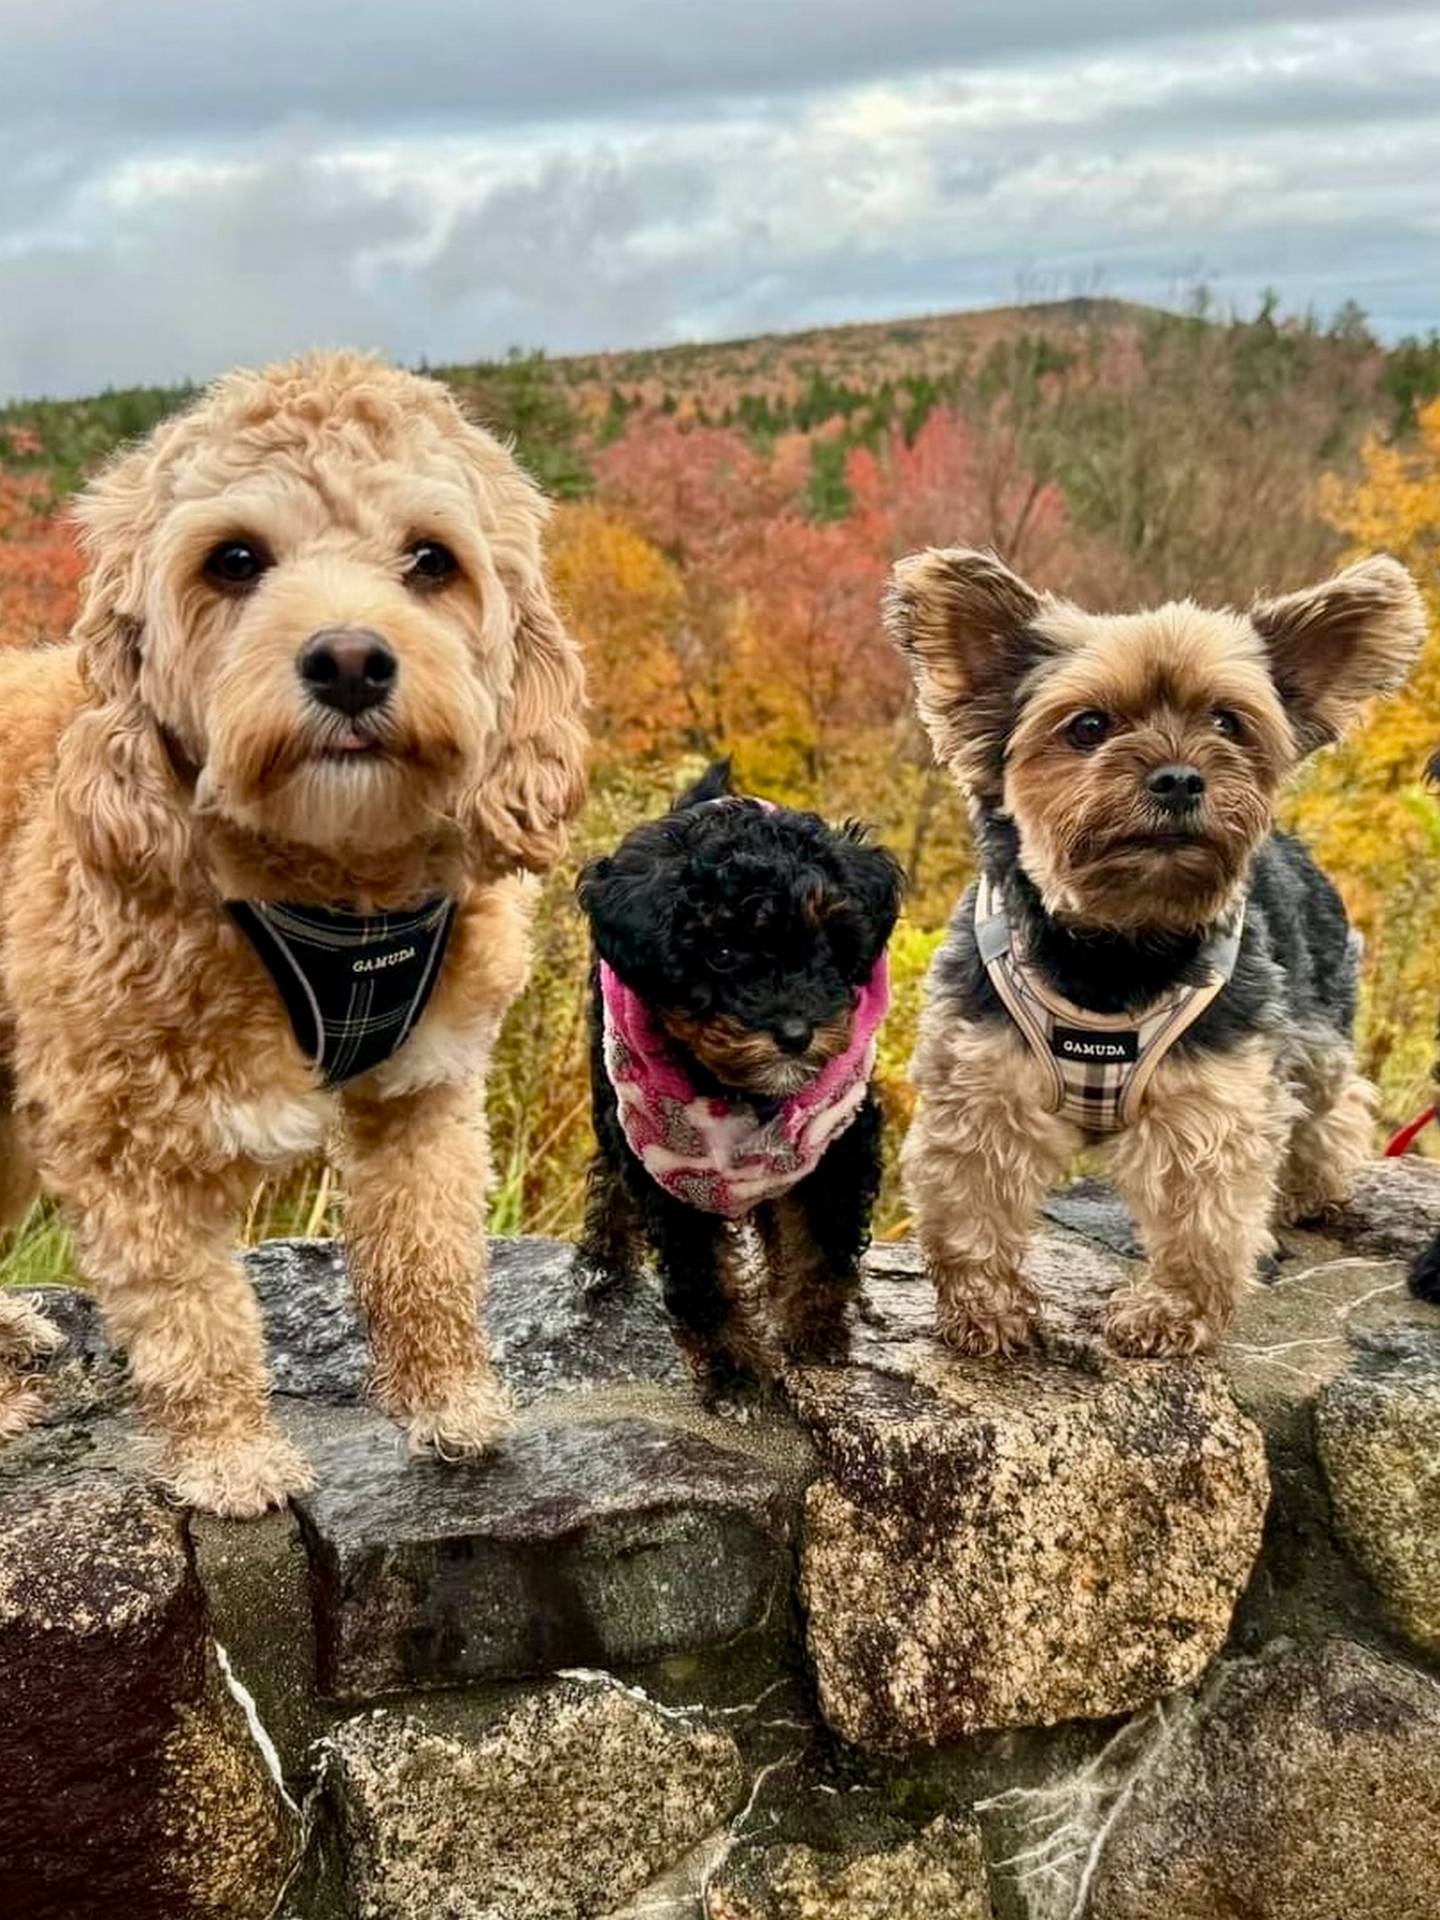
1176	788
349	669
792	1034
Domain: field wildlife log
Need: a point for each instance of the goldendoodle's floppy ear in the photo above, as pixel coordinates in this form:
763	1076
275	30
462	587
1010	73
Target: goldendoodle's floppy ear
1334	646
537	783
963	621
117	513
114	773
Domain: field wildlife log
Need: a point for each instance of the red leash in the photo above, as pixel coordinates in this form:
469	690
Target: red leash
1407	1136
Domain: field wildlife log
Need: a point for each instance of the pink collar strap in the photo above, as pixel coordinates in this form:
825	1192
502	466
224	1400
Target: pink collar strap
724	1155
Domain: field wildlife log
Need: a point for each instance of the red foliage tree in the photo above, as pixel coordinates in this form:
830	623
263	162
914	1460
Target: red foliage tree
40	565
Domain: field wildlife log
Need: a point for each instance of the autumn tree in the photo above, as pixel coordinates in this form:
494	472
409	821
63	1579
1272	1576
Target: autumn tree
1361	804
40	564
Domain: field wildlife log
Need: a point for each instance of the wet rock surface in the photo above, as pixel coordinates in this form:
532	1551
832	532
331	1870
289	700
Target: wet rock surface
131	1783
548	1336
1302	1786
601	1542
980	1549
562	1808
1377	1426
1015	1543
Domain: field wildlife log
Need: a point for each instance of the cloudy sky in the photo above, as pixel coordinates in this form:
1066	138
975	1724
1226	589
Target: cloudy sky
189	183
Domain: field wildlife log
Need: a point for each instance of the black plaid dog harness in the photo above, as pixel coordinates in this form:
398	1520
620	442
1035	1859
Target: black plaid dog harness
1099	1065
354	984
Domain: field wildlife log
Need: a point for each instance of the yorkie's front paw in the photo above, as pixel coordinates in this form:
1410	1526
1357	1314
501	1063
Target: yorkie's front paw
471	1419
1146	1323
995	1319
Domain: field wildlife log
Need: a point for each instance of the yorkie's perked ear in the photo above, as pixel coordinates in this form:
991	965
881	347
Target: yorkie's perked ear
964	621
1335	646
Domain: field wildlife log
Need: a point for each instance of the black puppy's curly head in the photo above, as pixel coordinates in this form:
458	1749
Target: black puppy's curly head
748	930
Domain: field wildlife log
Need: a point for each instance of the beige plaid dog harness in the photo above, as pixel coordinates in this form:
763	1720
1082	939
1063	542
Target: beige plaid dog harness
1099	1064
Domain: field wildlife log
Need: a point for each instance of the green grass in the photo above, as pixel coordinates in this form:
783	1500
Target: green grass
41	1253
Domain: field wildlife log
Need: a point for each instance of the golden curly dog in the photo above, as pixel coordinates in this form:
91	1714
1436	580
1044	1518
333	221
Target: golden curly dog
315	662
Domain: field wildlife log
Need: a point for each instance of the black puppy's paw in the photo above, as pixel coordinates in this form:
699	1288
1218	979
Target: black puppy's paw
1425	1273
742	1398
597	1281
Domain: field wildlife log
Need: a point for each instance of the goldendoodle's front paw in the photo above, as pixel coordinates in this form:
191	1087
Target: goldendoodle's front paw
237	1477
471	1419
985	1318
20	1406
25	1333
1145	1322
25	1336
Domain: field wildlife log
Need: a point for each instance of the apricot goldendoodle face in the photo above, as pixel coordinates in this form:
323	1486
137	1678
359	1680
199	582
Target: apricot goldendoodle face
322	585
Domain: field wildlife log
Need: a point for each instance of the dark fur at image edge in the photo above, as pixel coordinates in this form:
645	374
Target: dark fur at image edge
1295	971
655	907
1425	1272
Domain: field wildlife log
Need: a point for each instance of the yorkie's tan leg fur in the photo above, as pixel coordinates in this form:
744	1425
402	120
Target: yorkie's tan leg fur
159	1253
1333	1138
416	1176
977	1162
1200	1168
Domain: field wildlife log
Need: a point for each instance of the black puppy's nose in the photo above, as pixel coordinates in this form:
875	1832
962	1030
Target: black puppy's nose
1176	788
349	669
792	1034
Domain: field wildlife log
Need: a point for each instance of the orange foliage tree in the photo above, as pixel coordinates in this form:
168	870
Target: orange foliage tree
39	564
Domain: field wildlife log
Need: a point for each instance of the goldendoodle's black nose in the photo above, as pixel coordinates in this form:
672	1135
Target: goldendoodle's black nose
792	1034
348	669
1176	788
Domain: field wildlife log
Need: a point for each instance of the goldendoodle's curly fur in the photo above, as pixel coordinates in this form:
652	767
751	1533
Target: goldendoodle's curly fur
175	757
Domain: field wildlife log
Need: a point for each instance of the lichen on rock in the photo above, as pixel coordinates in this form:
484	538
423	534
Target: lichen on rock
560	1809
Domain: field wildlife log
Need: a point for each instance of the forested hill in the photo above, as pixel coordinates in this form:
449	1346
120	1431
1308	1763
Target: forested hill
726	519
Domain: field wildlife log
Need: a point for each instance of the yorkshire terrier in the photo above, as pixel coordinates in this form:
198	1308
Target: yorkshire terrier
738	984
1143	959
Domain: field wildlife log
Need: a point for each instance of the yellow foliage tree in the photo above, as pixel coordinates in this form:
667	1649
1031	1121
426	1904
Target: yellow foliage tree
1362	806
625	602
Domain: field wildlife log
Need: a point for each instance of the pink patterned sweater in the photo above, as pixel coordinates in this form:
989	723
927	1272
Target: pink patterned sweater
725	1155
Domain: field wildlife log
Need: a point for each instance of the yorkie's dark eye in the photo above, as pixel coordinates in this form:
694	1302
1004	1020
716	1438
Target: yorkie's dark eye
432	564
1089	729
236	564
1228	723
724	959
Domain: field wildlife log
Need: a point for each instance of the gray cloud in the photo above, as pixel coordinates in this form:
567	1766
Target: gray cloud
155	67
1302	154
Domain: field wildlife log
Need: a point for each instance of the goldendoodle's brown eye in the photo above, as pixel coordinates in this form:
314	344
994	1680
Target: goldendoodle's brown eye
432	564
236	563
1088	729
1228	723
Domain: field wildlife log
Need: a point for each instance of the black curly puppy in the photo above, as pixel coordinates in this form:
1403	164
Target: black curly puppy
737	985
